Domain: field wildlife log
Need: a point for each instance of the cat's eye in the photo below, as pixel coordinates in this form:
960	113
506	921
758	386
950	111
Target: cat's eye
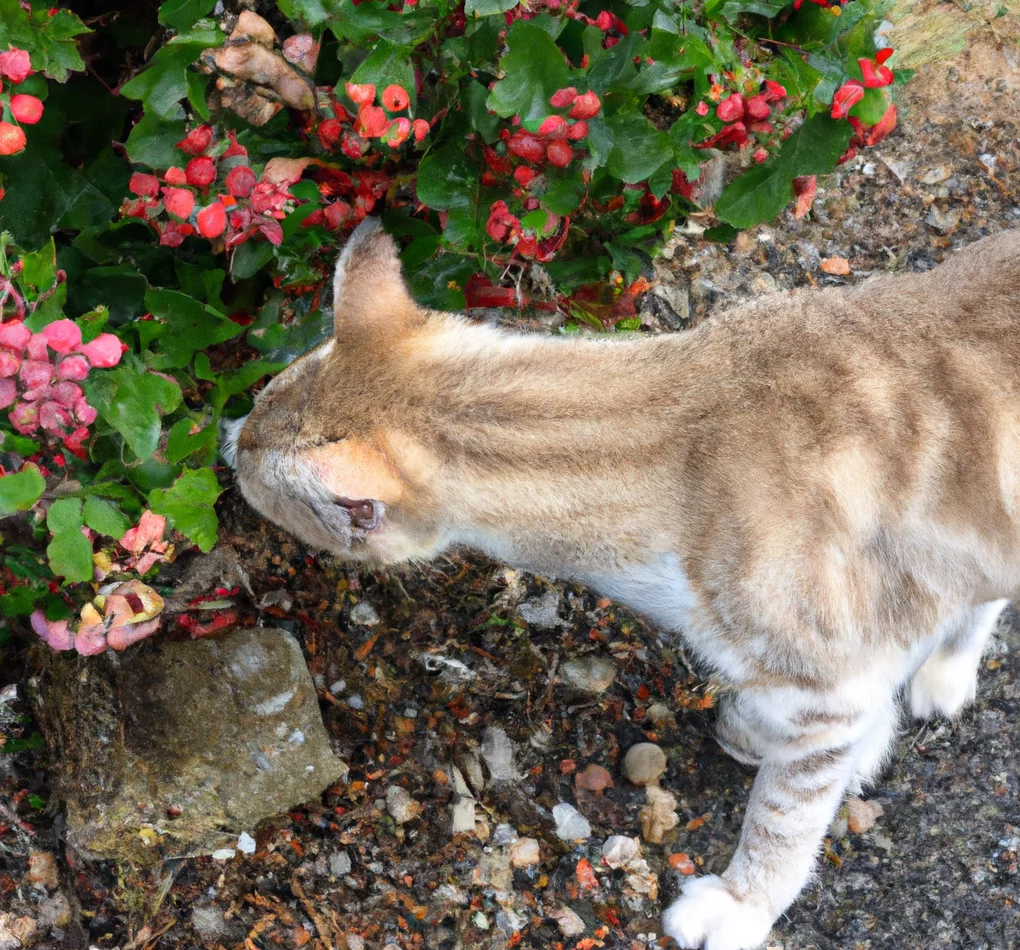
362	512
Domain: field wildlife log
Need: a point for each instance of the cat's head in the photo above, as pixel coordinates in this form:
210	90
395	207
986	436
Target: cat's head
315	454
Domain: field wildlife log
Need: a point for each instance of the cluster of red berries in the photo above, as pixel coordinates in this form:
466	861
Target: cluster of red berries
39	376
353	132
15	68
744	117
215	195
875	75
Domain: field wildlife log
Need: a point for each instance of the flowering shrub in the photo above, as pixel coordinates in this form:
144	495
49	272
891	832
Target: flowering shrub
170	227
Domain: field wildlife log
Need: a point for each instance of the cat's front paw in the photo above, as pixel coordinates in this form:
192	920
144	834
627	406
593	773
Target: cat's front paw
943	686
709	915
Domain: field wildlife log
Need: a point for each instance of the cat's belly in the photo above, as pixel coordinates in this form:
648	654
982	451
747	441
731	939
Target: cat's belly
661	590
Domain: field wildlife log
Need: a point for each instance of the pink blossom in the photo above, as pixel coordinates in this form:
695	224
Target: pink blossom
72	367
37	347
149	529
91	639
62	335
86	415
9	363
53	417
67	393
8	392
54	632
120	638
25	418
14	335
103	352
35	373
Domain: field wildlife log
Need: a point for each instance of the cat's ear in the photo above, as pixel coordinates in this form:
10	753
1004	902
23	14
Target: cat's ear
369	294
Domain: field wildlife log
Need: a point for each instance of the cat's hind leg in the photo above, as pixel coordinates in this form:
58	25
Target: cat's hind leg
946	682
818	742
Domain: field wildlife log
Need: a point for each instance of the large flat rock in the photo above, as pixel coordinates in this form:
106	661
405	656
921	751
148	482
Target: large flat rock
175	749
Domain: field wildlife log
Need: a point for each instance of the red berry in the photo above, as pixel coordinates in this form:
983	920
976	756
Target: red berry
361	93
421	129
395	98
354	146
563	97
145	186
240	181
578	130
555	127
372	122
200	172
731	108
178	201
196	141
586	106
211	220
397	133
330	131
26	109
523	175
774	90
560	153
758	108
525	145
12	139
175	176
15	65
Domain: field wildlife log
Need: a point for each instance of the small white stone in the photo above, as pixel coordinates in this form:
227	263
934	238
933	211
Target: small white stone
620	850
644	763
401	806
525	853
569	922
571	825
363	613
223	854
245	843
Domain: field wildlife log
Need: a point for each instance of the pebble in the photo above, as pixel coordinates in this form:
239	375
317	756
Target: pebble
340	864
223	854
542	612
245	843
498	752
838	266
619	850
862	815
594	778
681	862
401	806
209	922
644	763
363	614
942	221
659	814
525	853
569	922
571	825
503	834
592	674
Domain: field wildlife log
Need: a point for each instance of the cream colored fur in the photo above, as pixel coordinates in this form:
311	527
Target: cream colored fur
820	493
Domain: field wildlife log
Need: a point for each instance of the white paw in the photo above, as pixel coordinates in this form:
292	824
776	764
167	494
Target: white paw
943	686
708	915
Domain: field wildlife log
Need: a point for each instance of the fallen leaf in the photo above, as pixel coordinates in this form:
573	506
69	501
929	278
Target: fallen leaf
862	815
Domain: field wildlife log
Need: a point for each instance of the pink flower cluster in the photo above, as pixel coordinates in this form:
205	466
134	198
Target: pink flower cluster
15	68
39	376
187	201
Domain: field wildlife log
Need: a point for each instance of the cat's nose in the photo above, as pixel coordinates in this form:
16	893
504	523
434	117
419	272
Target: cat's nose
229	430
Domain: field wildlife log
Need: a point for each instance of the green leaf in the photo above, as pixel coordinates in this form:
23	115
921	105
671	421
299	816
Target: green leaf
761	193
533	70
164	82
69	553
50	40
153	139
191	326
132	400
181	443
20	602
447	179
20	491
488	7
188	503
734	9
249	258
181	14
639	148
104	518
18	444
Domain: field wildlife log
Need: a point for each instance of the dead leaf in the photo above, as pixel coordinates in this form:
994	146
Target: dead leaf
862	815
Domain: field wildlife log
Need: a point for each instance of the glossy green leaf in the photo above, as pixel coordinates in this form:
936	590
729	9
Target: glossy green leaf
191	326
448	179
69	553
104	518
19	491
488	7
639	148
188	503
763	192
533	69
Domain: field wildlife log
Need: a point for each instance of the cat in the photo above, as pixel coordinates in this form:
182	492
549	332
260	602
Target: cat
820	493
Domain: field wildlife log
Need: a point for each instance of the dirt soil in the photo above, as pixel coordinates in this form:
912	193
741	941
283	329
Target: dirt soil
425	670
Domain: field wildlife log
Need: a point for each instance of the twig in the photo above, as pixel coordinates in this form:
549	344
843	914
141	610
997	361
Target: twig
324	930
